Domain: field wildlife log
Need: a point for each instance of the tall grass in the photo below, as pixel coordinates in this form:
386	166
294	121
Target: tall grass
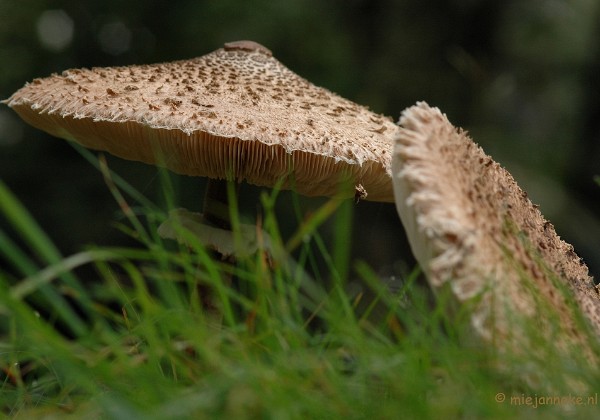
158	330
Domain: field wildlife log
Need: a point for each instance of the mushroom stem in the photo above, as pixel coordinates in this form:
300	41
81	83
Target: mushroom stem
216	203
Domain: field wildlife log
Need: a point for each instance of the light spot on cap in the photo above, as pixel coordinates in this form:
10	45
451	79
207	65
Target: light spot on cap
246	45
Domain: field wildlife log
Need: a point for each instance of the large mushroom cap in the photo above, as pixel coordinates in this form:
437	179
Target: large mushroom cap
234	113
473	230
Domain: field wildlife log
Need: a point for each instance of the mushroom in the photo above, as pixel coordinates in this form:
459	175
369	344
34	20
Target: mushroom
234	114
477	235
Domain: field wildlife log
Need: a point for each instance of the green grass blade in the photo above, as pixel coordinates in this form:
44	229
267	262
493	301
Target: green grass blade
310	224
92	158
48	274
41	245
342	239
26	227
15	257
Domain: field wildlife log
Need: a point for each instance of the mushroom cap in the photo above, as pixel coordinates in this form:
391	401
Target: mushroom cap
236	113
475	232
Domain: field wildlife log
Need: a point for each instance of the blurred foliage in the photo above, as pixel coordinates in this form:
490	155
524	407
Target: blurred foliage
521	76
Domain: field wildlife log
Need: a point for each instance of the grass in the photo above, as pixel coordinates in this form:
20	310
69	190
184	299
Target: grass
136	339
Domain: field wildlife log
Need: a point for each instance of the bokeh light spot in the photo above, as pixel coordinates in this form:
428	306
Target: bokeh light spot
55	29
114	38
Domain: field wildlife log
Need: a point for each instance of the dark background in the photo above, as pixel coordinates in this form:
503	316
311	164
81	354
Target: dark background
521	76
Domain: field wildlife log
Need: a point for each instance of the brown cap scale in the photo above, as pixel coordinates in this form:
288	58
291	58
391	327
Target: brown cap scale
475	232
235	113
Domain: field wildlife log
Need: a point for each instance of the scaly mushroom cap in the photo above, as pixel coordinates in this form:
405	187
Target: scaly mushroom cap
473	229
234	113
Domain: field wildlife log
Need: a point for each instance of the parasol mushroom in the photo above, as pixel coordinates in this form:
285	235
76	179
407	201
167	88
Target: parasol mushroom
236	113
476	234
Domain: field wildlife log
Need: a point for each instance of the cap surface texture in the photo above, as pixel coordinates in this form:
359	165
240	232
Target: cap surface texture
476	233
